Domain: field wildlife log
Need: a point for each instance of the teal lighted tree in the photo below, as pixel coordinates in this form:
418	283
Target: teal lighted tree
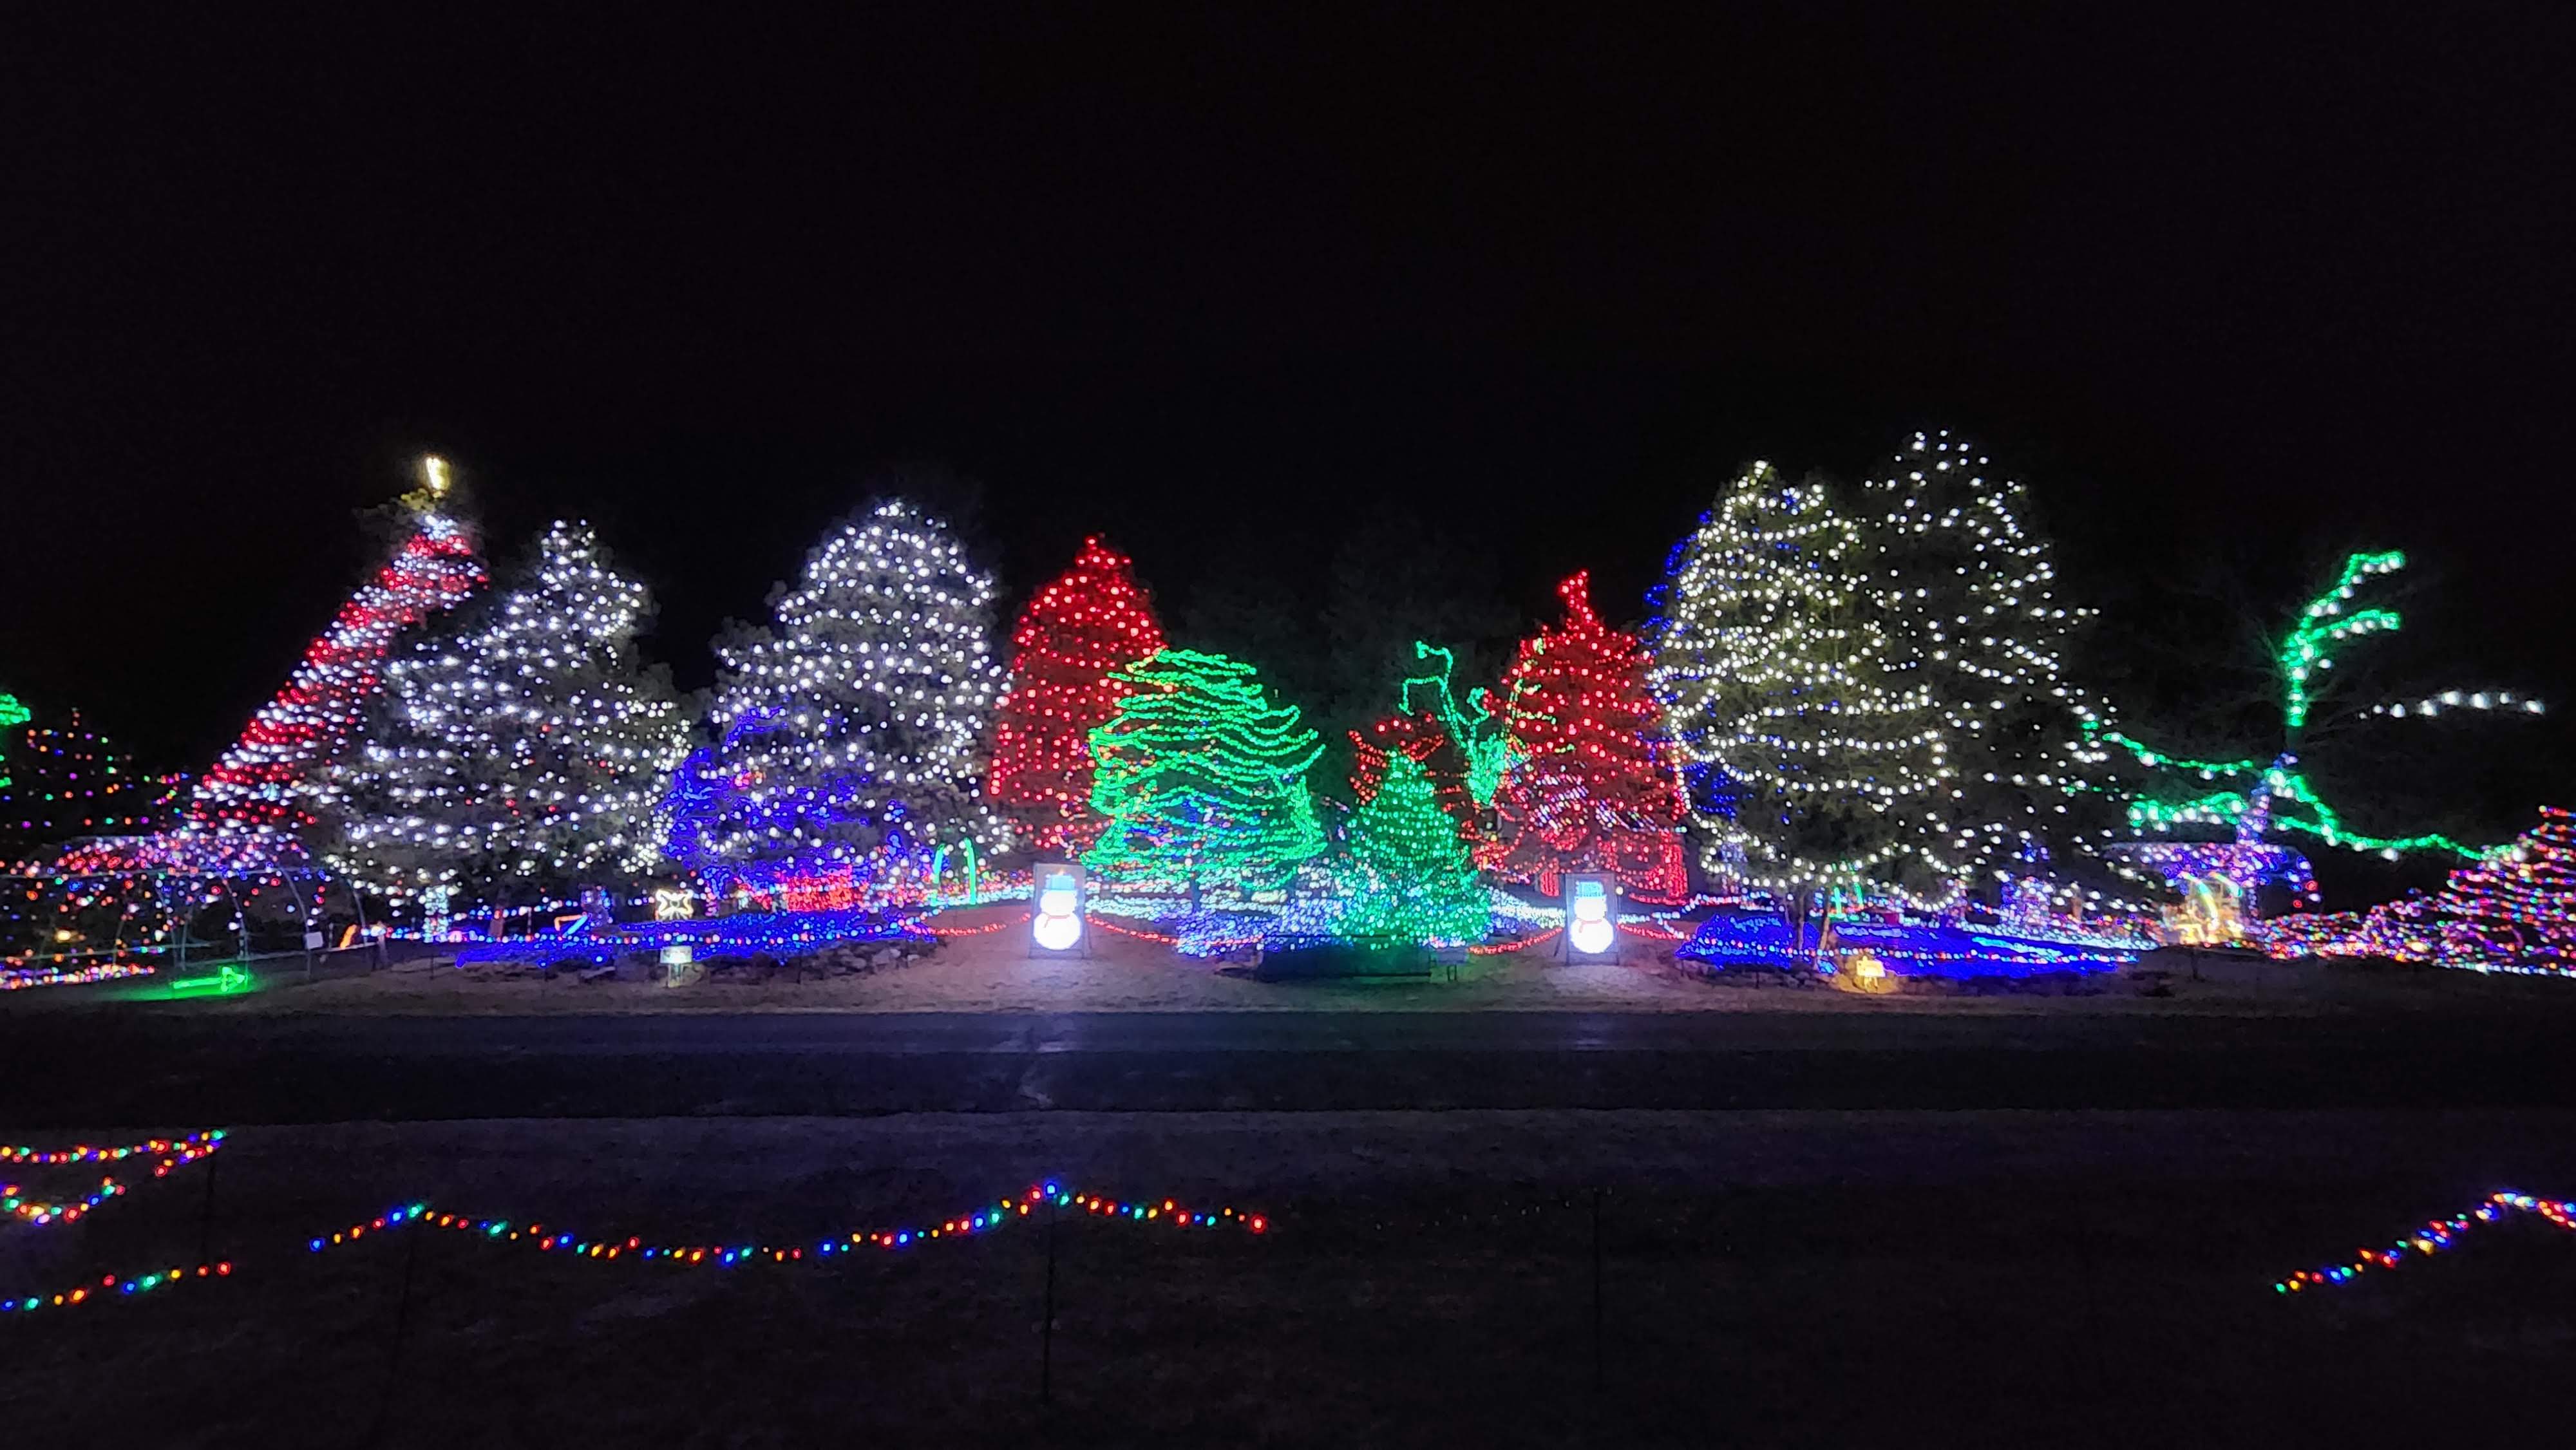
1409	875
1202	779
2260	794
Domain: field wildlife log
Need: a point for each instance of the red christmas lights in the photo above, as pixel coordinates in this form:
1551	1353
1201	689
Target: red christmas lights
1594	787
1072	634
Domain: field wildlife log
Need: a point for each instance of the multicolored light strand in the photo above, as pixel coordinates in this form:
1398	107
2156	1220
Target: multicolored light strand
982	1219
15	1203
110	1287
2439	1236
90	1153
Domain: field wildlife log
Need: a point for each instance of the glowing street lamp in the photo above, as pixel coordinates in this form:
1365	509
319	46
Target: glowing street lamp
1591	914
1055	919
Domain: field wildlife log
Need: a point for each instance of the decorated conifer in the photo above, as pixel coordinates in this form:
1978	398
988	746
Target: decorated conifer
852	731
72	782
1409	875
1072	635
523	752
1817	755
1202	779
1592	787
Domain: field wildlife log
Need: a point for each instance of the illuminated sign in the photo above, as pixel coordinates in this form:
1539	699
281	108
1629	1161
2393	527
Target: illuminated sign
1055	916
1591	922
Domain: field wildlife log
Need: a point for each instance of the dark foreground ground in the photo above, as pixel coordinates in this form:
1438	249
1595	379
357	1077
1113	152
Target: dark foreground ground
1826	1278
1997	1228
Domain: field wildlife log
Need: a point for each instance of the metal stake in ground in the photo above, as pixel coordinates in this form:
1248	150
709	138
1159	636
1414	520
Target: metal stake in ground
402	1320
1046	1326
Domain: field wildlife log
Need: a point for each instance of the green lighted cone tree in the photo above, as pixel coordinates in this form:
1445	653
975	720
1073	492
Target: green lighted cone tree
2256	794
1202	779
12	715
1408	875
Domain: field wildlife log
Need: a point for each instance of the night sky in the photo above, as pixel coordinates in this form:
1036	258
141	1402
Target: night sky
2232	294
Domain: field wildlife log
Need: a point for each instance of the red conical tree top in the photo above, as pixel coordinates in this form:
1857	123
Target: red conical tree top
1072	634
1594	789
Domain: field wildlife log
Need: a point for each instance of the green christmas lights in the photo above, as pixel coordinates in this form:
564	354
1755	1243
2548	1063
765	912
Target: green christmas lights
2260	794
1202	779
1475	731
12	715
1409	875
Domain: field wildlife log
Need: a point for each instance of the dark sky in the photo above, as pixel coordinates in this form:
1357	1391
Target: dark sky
2232	293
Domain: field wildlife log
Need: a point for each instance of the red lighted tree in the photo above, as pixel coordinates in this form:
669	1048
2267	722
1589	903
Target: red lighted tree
1077	630
1592	787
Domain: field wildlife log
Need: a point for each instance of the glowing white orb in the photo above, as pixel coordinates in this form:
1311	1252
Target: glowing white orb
1591	935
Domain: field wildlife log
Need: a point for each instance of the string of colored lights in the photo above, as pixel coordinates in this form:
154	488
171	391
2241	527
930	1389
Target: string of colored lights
1202	779
17	979
982	1219
945	933
1592	785
124	1287
1071	639
525	751
2512	911
2439	1236
16	1204
779	934
107	1153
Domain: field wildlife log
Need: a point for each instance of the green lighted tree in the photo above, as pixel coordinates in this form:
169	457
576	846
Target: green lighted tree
1408	874
2261	794
1202	778
12	715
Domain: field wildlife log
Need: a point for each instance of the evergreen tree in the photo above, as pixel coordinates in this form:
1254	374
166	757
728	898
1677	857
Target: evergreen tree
1817	753
1592	786
851	732
72	782
1409	875
2515	908
12	715
1071	637
1966	589
1202	779
525	751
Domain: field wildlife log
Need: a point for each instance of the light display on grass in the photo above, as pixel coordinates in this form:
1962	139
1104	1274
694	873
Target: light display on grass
524	752
71	782
1408	875
2439	1236
1072	636
23	1205
1591	785
1202	779
268	786
2512	911
1055	905
1906	949
1876	699
1591	914
111	1287
851	731
2260	795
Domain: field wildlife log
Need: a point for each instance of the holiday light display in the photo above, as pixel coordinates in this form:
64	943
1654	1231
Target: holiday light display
2512	911
1408	874
1591	785
1072	635
1905	949
982	1219
72	782
1463	750
1876	700
271	783
2439	1236
2262	795
1202	779
791	933
525	751
852	730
